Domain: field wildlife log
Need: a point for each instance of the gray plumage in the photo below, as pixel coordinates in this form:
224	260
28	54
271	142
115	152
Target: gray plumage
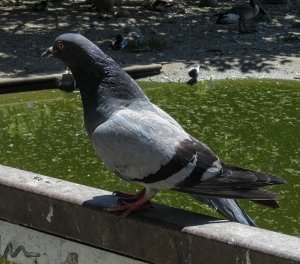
141	143
229	208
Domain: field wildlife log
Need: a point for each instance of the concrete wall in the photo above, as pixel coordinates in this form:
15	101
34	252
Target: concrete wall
74	212
23	245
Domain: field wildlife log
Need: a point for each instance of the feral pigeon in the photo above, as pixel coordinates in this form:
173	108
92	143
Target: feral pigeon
141	143
194	74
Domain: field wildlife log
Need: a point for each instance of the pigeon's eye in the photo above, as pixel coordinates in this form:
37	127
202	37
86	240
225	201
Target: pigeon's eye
60	45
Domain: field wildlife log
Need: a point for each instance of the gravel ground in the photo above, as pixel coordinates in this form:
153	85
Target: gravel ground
182	36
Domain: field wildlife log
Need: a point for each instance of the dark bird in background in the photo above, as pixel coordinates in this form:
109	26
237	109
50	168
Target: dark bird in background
119	42
40	6
141	143
194	74
106	6
240	14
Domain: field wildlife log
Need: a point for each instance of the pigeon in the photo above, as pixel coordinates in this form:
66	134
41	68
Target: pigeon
142	144
240	14
194	74
119	42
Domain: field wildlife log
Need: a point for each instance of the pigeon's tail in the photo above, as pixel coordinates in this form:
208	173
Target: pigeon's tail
236	183
221	190
229	208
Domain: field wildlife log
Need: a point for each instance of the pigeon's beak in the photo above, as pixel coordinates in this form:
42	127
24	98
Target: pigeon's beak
48	53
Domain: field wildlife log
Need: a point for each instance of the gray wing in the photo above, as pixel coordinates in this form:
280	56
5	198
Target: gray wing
144	144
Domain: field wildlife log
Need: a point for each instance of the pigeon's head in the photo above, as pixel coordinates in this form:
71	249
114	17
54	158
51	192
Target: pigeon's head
92	69
74	50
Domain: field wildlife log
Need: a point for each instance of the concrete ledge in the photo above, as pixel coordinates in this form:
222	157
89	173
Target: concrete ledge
162	235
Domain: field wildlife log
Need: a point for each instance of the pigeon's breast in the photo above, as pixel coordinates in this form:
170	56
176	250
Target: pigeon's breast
136	143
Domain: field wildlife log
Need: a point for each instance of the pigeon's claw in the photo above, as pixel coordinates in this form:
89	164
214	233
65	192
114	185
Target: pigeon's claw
129	197
129	208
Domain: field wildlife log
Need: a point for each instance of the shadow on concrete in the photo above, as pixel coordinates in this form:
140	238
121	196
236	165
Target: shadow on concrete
173	217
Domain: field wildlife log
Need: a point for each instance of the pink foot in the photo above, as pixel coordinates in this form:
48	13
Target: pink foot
128	208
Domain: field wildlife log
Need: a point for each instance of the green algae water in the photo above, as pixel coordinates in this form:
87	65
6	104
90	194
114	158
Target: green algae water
250	123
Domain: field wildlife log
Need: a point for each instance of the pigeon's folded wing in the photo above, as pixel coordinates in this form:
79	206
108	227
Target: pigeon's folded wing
144	144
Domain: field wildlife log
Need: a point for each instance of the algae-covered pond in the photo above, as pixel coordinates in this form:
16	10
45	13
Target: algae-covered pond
250	123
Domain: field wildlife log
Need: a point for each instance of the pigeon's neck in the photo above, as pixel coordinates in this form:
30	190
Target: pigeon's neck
104	90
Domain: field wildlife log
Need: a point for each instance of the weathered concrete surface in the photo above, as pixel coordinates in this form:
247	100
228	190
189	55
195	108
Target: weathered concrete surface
162	235
23	245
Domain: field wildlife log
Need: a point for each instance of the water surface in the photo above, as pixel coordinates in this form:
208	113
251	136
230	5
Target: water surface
250	123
